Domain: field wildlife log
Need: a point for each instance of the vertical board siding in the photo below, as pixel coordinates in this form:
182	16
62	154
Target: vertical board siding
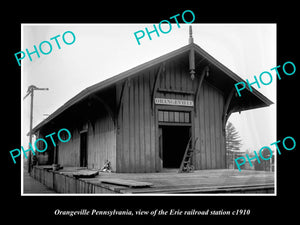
125	130
212	128
131	104
208	128
147	125
201	144
142	131
138	164
101	142
136	148
68	152
132	144
154	147
175	78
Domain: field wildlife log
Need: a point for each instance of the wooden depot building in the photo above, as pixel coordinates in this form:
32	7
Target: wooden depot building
142	119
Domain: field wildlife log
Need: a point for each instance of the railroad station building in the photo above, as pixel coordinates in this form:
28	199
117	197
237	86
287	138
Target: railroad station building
142	119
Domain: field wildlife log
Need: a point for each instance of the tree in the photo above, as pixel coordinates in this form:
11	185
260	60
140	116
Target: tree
233	143
233	140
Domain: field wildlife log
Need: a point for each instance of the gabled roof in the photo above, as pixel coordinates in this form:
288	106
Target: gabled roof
113	80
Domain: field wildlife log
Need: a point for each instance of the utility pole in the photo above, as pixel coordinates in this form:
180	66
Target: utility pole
30	91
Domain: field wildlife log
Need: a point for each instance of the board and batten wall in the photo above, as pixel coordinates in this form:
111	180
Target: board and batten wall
136	137
208	128
131	145
68	152
101	144
137	126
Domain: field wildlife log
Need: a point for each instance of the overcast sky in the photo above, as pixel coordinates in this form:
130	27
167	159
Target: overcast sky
105	50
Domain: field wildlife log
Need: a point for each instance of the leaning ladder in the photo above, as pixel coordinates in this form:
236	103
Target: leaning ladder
185	166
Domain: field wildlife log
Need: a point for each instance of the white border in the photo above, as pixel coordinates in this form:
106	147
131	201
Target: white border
120	195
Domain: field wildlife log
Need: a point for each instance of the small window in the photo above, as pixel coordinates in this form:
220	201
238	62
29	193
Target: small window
166	116
187	117
176	117
173	116
160	116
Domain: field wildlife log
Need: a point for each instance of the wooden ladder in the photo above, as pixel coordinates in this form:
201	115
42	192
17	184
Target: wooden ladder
186	166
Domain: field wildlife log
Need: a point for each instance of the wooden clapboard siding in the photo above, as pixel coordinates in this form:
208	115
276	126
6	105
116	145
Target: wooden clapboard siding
208	128
101	142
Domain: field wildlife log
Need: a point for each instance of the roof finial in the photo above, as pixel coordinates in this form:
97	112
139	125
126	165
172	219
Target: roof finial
191	39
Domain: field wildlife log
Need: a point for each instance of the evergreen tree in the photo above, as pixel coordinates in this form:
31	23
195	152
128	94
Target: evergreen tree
233	143
233	140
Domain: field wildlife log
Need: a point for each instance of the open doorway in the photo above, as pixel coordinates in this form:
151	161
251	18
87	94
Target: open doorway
174	140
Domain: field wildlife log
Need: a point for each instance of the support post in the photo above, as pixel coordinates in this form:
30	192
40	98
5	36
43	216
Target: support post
30	91
120	102
226	114
205	72
155	85
30	129
106	106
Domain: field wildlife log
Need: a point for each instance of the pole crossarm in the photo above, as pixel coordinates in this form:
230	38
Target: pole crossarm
31	88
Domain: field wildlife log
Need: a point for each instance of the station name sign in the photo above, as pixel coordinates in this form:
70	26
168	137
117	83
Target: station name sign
166	101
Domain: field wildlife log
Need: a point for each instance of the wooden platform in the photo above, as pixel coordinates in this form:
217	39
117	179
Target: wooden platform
201	181
127	183
167	182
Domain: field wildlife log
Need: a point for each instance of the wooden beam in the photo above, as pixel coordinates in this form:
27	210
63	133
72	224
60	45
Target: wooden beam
199	62
155	85
226	114
166	90
120	102
203	73
127	183
106	106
